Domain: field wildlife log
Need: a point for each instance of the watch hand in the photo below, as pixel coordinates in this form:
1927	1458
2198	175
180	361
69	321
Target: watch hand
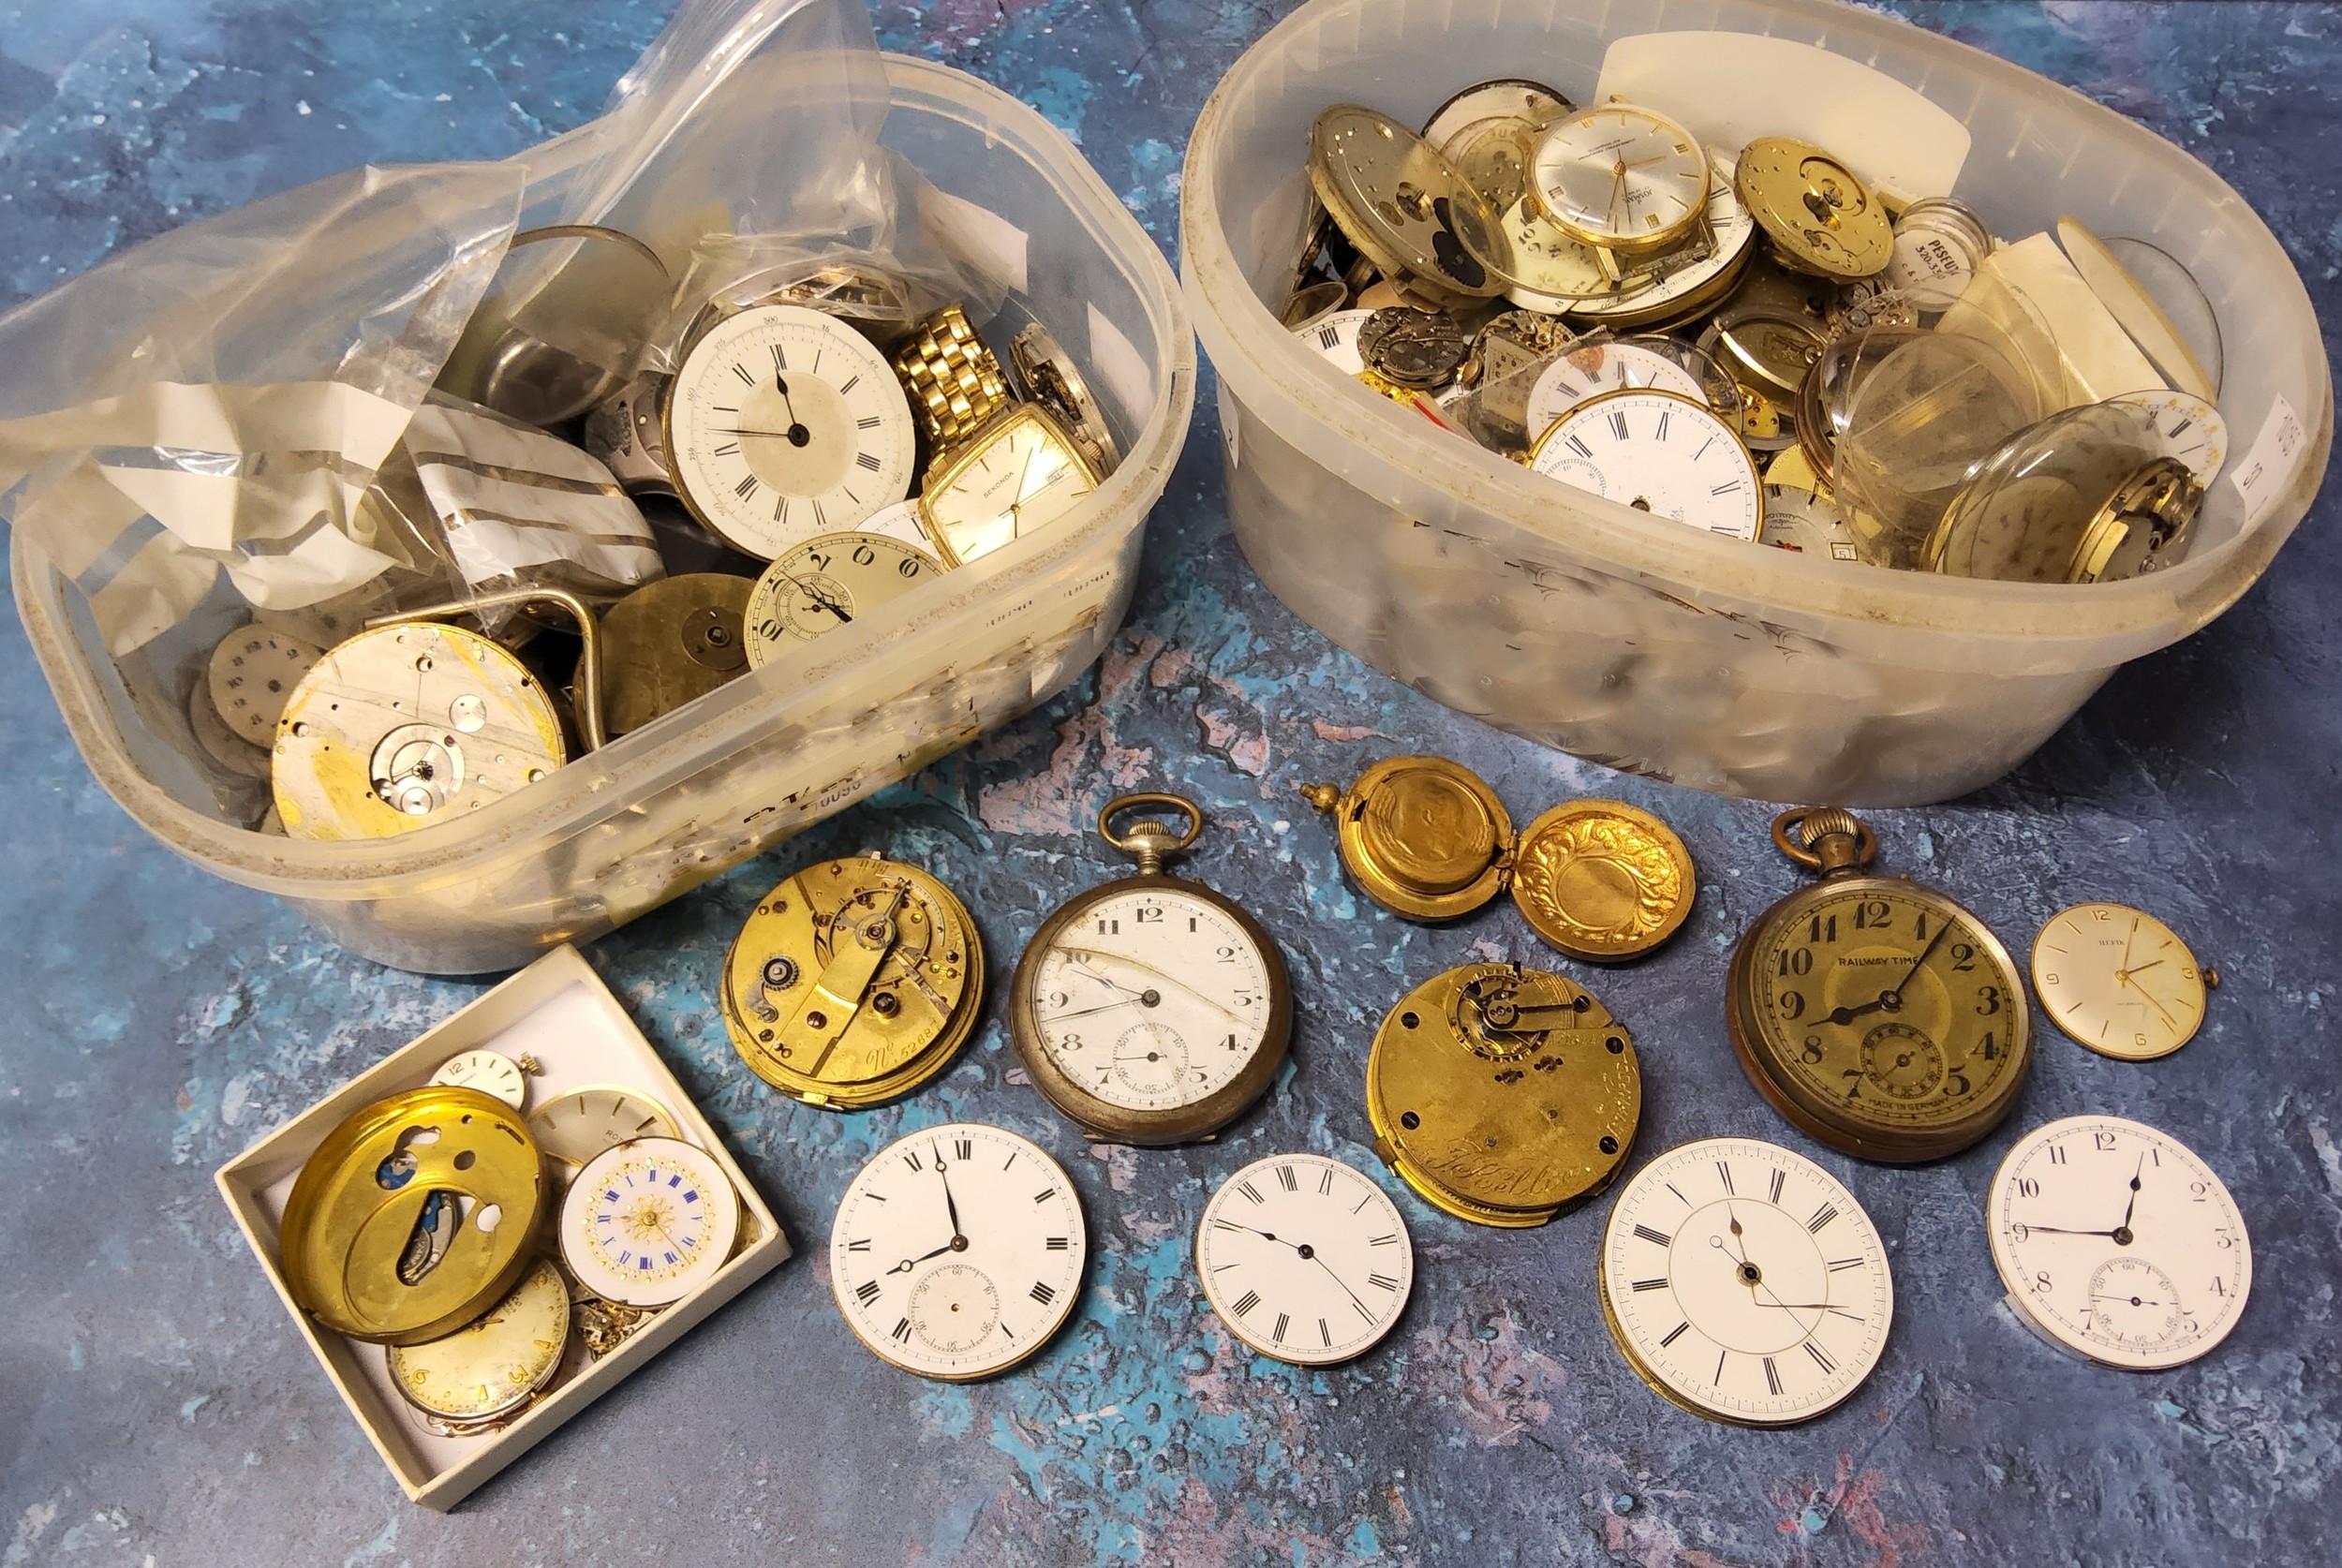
1345	1284
2124	978
1085	1012
736	429
1847	1014
2060	1230
798	433
821	599
908	1264
2132	1208
952	1210
1140	964
1268	1235
2134	1300
1891	998
1925	954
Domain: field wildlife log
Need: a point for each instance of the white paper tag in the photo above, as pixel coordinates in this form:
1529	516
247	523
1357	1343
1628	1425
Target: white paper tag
1121	367
2264	472
977	235
1227	425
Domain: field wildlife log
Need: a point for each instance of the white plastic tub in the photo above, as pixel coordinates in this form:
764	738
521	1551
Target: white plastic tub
660	811
1695	658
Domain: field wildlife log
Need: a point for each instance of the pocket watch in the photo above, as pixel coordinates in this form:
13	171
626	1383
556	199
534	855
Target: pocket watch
2117	1243
1876	1014
414	1216
252	675
1659	452
579	1123
1428	839
783	423
824	584
487	1373
1624	179
2185	428
490	1072
670	641
1304	1259
1818	212
1503	1094
1488	132
1014	477
1594	368
648	1221
853	982
1056	383
1410	213
2119	981
958	1252
1150	1010
1744	1283
2081	496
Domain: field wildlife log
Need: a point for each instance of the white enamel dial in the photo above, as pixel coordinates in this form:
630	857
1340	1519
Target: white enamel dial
1305	1259
1620	176
1151	999
1745	1282
647	1222
490	1072
958	1252
783	423
2118	1243
1335	336
1800	520
1659	452
1604	368
2187	428
579	1123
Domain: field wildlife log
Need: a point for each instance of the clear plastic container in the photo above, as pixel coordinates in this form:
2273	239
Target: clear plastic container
1575	621
658	811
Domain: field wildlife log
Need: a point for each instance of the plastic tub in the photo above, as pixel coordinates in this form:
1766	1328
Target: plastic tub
628	827
1698	660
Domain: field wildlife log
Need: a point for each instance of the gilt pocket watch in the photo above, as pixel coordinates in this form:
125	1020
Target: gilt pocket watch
1876	1014
1150	1010
1304	1259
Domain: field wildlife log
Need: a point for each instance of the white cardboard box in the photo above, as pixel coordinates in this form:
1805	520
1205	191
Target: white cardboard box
558	1010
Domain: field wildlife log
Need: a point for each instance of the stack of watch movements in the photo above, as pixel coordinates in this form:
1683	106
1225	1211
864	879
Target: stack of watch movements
1755	342
491	1253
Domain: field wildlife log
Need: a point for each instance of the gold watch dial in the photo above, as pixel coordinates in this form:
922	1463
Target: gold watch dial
2118	980
487	1368
1017	475
582	1122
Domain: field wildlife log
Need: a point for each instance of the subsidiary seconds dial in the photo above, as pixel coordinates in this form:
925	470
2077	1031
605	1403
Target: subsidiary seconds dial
1660	453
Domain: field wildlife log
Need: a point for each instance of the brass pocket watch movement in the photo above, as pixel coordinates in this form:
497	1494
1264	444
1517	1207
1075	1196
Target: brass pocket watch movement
853	982
1503	1094
1150	1010
1876	1014
670	641
1428	839
1409	212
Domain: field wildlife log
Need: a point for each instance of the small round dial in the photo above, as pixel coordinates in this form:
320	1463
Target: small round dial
492	1366
1659	452
958	1252
2117	1242
2118	980
825	584
490	1072
251	676
1604	368
1744	1282
1622	177
1016	476
1305	1259
1335	336
647	1222
784	423
579	1123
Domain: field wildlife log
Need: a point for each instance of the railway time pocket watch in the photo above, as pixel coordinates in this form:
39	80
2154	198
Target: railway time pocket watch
1744	1282
1502	1094
1305	1259
958	1252
1428	839
1150	1010
1876	1014
2117	1243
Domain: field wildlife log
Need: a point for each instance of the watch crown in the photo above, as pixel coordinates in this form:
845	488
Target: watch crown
1324	796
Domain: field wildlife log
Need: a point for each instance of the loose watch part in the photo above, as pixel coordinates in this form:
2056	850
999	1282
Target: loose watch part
1744	1283
406	725
825	583
958	1252
252	675
1419	350
2081	496
218	742
1592	369
1150	1010
1687	283
2134	309
902	521
1818	213
648	1221
1626	180
1056	382
1503	1094
628	434
1659	452
1490	130
414	1216
2185	428
1771	350
487	1373
1012	477
2118	1243
1409	212
2119	981
1806	523
1554	272
1305	1259
1428	839
953	378
1939	244
669	642
783	423
1335	336
1876	1014
490	1072
853	982
579	1123
1313	303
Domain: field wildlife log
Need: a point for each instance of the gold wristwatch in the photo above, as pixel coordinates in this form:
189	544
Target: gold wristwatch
955	381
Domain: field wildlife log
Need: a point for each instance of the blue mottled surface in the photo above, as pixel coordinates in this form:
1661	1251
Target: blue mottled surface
156	1407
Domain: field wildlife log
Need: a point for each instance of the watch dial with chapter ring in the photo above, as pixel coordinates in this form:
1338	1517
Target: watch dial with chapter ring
1305	1259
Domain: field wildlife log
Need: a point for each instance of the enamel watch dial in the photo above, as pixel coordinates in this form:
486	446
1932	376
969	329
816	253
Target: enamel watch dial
825	584
2186	427
1335	336
958	1252
1150	1010
490	1072
579	1123
2118	980
485	1372
1621	177
647	1222
1586	373
2118	1243
784	423
1012	477
251	676
1745	1283
1659	452
1305	1259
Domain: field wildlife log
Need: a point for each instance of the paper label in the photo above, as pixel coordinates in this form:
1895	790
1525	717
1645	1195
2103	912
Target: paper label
2266	471
978	236
1227	425
1122	368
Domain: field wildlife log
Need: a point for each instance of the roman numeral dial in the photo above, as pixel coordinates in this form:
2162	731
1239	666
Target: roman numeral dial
1658	451
1304	1259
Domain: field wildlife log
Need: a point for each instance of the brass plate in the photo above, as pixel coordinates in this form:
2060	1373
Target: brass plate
1818	213
1602	880
1425	837
1408	209
669	642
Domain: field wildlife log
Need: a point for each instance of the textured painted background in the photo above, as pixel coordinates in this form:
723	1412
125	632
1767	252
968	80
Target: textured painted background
155	1406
